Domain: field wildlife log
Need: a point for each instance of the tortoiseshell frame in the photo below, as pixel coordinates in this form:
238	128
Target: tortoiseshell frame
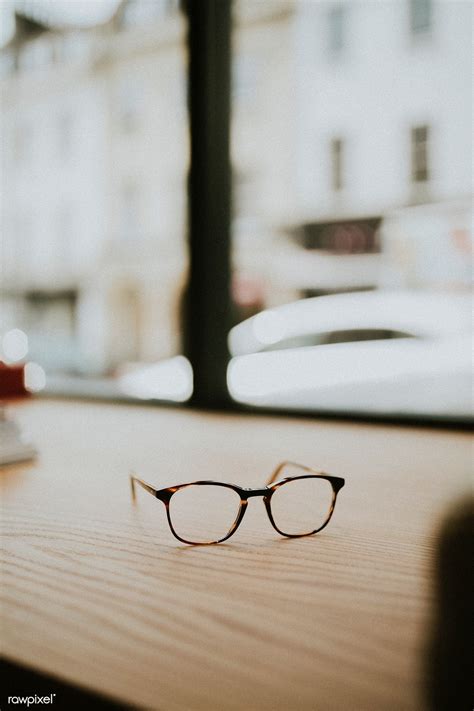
245	494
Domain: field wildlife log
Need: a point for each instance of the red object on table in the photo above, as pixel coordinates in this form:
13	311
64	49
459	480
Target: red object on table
12	381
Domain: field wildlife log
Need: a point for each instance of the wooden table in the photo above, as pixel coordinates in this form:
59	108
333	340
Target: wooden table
98	592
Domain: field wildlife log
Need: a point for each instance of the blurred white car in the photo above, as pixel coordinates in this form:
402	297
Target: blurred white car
390	352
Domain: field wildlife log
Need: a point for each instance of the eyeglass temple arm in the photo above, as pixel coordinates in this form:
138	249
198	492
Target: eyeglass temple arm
282	465
135	480
275	473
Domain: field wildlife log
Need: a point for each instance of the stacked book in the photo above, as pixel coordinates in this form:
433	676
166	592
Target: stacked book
13	446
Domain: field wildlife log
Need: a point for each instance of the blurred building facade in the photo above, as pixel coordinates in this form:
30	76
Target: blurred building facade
349	135
384	176
94	173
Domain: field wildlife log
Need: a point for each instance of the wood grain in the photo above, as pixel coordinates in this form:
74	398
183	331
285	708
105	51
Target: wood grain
98	592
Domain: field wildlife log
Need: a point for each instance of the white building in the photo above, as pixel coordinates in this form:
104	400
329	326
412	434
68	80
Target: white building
384	100
93	208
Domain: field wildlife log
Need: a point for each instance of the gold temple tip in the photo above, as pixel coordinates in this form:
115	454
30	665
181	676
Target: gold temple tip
132	486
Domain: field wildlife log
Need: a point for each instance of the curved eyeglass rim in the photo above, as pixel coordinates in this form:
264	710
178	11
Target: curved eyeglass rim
336	487
236	523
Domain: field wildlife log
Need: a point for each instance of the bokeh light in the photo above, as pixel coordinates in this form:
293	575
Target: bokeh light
14	345
35	377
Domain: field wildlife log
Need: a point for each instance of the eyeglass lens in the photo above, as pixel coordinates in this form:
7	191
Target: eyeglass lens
301	506
204	513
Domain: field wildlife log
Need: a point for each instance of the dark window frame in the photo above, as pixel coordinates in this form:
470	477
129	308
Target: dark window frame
420	153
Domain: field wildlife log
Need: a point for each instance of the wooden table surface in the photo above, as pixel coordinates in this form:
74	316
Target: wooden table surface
99	592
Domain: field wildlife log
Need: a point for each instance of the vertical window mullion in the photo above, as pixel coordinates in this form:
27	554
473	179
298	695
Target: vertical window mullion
207	311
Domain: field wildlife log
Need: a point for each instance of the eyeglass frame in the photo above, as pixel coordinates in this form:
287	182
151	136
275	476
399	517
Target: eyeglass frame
245	493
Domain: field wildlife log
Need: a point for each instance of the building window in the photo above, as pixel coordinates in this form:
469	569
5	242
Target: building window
419	154
420	16
337	163
341	237
336	29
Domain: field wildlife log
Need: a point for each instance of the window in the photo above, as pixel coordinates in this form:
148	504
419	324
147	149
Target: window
420	16
371	261
354	237
336	29
419	154
337	163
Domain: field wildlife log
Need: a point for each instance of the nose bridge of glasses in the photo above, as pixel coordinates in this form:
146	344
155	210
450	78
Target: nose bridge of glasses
248	492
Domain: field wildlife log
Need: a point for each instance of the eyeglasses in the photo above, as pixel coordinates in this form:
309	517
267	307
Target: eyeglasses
299	502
